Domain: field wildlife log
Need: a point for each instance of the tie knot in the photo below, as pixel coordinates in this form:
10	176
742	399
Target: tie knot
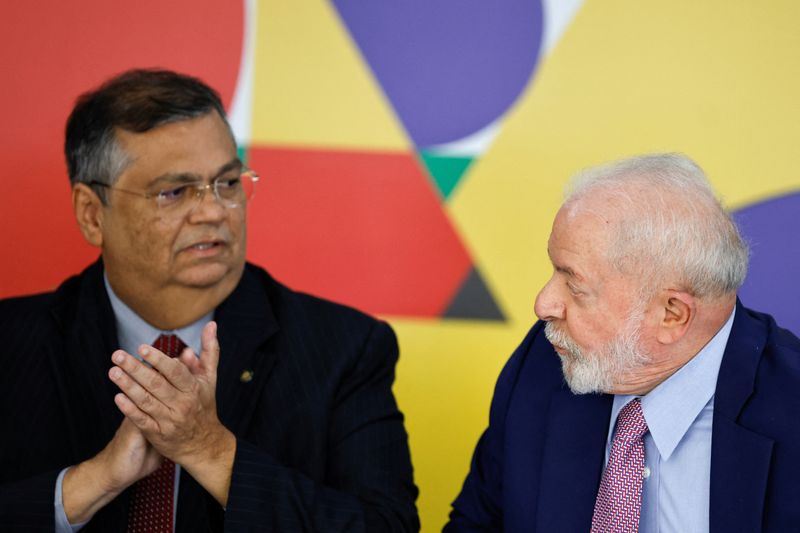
630	421
171	345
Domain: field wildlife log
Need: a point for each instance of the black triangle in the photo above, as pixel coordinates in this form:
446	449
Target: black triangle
474	301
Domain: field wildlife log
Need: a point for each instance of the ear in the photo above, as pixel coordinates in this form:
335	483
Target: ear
679	309
88	213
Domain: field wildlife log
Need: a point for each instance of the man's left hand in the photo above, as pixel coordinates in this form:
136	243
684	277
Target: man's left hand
174	405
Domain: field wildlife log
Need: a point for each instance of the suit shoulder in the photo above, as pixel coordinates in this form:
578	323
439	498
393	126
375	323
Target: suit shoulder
766	370
28	329
28	302
26	315
22	311
781	349
784	340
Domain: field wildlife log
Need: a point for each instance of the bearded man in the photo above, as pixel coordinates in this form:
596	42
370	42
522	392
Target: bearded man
647	398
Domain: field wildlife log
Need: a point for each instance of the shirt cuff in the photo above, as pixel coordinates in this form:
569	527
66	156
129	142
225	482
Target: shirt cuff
62	524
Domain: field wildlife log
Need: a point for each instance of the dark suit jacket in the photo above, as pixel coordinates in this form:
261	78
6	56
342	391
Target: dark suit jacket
320	440
538	465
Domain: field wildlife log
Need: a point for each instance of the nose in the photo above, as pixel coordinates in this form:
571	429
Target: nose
207	204
201	190
549	305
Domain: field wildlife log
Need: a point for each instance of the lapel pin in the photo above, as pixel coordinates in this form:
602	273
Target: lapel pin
246	376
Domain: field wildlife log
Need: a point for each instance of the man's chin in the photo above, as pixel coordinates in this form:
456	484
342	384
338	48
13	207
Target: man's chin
581	388
577	380
209	276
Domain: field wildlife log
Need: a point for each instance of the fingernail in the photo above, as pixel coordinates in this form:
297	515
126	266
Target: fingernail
118	357
116	373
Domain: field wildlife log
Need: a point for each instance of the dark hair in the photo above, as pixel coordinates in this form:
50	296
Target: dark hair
136	101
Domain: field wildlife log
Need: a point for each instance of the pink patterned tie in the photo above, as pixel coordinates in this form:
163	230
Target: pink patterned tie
151	509
619	499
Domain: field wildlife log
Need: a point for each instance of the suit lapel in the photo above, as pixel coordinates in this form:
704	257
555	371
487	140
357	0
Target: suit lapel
740	459
572	462
82	364
246	321
83	312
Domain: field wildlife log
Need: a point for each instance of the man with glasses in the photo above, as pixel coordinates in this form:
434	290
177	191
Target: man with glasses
172	386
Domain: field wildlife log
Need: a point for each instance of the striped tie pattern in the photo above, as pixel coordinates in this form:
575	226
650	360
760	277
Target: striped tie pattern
151	509
619	499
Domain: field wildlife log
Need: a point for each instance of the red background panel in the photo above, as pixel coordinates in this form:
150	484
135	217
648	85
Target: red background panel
362	228
52	52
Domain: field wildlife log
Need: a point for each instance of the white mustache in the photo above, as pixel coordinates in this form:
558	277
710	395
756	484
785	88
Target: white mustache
558	338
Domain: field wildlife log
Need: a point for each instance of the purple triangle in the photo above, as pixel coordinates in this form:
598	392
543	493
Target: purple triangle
449	67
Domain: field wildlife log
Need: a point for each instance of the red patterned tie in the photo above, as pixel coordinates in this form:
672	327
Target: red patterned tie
151	509
619	499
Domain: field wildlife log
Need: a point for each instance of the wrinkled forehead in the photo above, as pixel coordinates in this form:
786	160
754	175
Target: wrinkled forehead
579	239
582	245
637	198
585	219
607	202
588	228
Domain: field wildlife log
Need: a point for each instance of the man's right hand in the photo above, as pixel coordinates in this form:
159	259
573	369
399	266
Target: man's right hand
90	485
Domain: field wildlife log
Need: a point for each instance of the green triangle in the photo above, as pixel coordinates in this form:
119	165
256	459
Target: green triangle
446	171
242	152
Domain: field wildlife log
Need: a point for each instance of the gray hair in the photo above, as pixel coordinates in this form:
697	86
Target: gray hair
671	227
135	101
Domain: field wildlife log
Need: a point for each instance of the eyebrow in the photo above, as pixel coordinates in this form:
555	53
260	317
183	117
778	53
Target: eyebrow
564	269
189	177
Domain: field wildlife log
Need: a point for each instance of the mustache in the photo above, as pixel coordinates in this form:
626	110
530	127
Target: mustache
558	338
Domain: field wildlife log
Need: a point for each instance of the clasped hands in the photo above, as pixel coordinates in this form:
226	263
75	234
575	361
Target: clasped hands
170	411
172	403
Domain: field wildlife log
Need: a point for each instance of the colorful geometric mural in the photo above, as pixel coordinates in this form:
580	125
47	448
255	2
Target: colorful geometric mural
361	218
414	153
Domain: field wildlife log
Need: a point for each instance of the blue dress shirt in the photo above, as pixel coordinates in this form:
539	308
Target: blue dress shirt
679	413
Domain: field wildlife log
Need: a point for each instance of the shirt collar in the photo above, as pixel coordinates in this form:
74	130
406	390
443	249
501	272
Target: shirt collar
133	330
672	406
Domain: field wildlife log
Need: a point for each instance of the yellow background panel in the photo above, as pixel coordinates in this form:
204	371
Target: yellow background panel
311	85
445	381
717	80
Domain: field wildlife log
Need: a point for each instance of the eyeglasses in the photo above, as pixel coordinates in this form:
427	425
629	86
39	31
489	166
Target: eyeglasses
179	199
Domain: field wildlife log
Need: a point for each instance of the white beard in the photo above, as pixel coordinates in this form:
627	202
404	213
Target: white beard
602	369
